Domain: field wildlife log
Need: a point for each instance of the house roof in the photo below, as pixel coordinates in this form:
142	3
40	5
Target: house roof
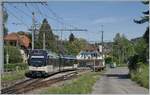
12	36
22	39
90	48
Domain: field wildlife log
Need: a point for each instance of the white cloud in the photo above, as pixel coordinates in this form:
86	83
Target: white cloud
105	20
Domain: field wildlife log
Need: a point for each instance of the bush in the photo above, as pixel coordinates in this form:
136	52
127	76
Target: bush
108	60
13	67
141	75
133	62
14	54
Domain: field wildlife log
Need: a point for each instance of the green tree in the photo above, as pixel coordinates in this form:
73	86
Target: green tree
141	49
14	54
49	37
144	19
71	37
76	46
122	49
5	18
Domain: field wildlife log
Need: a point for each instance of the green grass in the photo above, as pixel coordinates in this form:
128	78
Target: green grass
13	76
13	67
142	77
81	85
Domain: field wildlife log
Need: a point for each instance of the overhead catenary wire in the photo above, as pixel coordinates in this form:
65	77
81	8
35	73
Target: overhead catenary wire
57	16
49	9
39	10
55	19
17	18
26	5
22	11
46	15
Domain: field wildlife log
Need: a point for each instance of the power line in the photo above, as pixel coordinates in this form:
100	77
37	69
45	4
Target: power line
56	15
17	18
60	17
22	11
52	17
26	5
39	10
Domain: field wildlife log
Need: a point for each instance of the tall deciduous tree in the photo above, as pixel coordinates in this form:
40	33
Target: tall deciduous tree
122	49
75	46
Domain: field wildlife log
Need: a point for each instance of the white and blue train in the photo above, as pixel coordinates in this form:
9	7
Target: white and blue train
43	63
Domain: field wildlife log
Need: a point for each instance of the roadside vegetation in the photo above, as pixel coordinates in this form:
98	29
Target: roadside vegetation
139	64
141	76
134	52
13	54
82	85
15	67
13	76
134	55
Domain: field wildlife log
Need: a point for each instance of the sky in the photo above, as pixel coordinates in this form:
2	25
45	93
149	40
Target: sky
115	16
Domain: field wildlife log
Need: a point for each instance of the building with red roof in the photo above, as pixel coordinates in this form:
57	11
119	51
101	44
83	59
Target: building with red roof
15	39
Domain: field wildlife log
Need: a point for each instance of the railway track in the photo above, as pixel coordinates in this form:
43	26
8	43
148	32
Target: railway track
31	84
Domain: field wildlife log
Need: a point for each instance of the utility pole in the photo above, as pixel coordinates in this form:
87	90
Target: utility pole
2	25
1	37
33	29
94	64
44	41
102	44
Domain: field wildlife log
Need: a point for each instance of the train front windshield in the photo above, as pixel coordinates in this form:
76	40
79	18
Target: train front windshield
37	61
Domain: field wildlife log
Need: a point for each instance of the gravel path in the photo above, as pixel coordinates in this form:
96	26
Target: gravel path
116	81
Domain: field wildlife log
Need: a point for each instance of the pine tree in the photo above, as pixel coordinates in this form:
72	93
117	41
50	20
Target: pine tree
71	37
49	37
145	18
5	18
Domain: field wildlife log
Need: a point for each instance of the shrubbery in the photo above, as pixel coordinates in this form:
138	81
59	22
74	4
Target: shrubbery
14	54
13	67
108	60
138	64
141	75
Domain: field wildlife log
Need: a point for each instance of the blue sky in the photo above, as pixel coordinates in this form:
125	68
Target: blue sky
116	16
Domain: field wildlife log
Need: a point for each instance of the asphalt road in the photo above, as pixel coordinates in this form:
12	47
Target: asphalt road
116	81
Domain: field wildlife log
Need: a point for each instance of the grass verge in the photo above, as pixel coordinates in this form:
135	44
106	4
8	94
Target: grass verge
13	76
82	85
141	77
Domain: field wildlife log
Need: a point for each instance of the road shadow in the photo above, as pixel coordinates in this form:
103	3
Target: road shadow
120	76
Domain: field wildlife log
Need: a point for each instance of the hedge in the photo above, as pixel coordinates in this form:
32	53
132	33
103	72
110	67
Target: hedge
13	67
14	54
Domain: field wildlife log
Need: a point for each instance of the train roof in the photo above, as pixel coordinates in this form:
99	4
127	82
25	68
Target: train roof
52	54
69	57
